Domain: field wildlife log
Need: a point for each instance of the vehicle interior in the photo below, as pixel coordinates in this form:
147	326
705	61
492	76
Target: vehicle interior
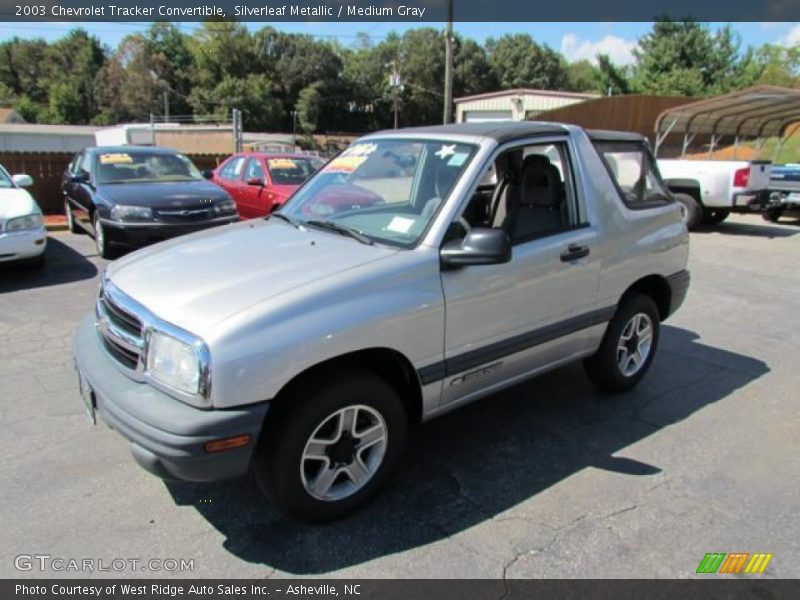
523	192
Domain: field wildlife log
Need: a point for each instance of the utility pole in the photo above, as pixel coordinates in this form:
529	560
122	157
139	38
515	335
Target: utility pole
394	81
294	129
166	106
448	65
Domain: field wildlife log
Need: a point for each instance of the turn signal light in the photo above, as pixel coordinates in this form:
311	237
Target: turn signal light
228	443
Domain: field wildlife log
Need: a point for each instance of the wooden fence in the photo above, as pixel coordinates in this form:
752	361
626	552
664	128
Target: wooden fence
47	169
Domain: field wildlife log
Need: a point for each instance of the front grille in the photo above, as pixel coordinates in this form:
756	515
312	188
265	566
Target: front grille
120	331
184	216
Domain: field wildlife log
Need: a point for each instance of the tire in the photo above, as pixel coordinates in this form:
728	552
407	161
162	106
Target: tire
100	239
71	224
715	216
772	215
692	211
310	489
604	367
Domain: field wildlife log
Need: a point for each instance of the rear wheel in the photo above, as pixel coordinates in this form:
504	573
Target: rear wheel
772	215
628	346
328	449
692	211
714	216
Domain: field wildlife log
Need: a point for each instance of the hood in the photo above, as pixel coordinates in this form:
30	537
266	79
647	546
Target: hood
165	194
15	202
199	280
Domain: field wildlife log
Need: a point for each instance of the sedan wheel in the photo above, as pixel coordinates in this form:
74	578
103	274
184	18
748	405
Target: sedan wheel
71	225
100	240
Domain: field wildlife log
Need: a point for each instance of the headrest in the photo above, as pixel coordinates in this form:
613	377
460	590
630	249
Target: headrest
540	182
509	166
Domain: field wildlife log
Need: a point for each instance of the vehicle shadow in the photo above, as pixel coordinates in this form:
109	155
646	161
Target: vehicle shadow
469	466
63	264
763	230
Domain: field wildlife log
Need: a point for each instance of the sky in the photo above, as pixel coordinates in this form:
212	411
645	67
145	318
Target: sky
574	40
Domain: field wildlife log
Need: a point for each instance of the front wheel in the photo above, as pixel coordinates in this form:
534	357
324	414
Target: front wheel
100	238
772	215
628	346
329	447
71	224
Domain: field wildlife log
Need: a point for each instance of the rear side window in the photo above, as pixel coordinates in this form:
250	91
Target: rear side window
634	172
233	169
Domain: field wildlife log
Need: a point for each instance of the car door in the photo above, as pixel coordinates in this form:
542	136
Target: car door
255	197
79	195
230	179
507	321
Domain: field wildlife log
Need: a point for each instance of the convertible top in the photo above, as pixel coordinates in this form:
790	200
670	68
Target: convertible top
508	131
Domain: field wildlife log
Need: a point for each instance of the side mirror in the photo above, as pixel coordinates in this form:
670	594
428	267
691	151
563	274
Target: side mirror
208	174
255	181
23	180
481	246
80	177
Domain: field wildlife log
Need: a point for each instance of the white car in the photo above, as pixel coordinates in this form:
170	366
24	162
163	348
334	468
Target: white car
23	237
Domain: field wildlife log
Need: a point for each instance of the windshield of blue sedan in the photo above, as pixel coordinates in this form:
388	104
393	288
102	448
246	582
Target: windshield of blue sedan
144	167
388	190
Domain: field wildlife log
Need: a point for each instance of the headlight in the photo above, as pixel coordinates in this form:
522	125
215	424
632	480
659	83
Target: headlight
225	207
32	221
131	213
179	366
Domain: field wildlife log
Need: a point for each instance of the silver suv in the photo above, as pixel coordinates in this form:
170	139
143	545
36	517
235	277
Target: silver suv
419	270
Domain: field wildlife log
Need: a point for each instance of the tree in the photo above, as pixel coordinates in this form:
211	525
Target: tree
777	65
67	103
253	94
308	108
583	76
172	61
518	61
611	79
685	58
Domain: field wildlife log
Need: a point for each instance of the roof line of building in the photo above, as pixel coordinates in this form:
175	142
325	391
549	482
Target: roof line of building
521	91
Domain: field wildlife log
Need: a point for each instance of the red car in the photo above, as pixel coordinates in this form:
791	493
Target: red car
259	183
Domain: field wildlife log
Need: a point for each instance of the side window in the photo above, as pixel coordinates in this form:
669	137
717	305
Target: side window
233	169
254	170
533	195
85	163
632	168
73	164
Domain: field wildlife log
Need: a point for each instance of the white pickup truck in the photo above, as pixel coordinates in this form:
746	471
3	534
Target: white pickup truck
712	189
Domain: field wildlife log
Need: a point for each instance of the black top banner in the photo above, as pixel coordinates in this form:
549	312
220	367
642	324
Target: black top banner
413	11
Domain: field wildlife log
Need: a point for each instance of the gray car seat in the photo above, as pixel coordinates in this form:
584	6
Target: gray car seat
534	206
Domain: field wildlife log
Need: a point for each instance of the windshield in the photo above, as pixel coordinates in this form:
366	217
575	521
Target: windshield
5	180
290	171
141	167
387	189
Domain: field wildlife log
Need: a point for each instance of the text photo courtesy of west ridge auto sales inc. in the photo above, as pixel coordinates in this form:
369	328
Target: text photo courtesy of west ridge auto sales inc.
348	299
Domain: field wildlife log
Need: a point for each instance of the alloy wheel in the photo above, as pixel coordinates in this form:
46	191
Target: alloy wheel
343	453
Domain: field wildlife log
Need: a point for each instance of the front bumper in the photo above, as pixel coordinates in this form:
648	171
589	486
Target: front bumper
142	234
167	437
22	245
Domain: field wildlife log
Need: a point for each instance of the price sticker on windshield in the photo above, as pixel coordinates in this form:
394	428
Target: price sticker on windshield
281	163
116	159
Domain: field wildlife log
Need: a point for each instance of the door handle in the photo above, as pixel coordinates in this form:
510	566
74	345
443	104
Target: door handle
574	252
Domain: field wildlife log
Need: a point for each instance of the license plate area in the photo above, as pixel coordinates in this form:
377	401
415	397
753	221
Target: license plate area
88	398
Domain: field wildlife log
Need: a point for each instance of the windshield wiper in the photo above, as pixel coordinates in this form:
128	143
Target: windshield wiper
343	229
286	218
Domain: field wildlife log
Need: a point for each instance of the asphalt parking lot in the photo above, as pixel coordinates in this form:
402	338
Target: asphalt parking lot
548	479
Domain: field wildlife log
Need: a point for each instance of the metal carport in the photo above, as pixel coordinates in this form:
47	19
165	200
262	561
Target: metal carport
753	113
